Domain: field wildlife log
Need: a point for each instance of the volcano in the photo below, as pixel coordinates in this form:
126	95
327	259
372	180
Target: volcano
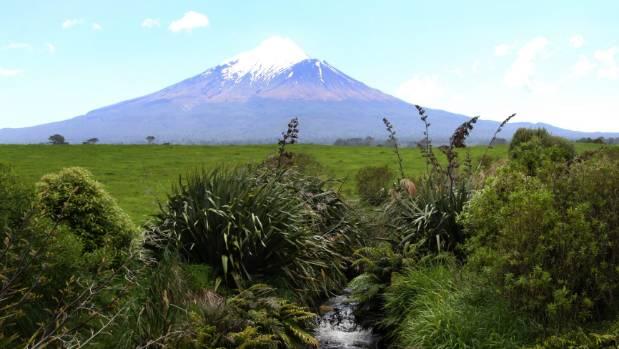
250	98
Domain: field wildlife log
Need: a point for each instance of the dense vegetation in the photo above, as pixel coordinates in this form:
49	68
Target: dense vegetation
448	247
519	253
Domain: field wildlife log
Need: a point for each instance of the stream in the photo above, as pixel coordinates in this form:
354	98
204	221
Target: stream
338	329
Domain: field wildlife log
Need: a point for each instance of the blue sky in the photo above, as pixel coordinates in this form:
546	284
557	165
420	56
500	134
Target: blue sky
549	61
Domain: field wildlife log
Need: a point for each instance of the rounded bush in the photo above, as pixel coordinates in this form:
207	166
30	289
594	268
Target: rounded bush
550	243
73	197
534	146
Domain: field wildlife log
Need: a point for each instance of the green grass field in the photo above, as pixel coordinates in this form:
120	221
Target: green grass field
138	176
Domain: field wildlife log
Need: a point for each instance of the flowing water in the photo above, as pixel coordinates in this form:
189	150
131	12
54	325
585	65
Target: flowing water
338	328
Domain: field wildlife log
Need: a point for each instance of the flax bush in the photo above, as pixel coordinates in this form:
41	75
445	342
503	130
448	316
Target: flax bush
253	224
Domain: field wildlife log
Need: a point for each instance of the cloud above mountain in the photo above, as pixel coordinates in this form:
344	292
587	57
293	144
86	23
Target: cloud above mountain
150	23
71	23
523	68
191	20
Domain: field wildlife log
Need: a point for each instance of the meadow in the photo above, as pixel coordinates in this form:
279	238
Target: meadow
139	176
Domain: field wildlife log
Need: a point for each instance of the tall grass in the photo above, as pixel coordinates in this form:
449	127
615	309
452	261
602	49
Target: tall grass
440	306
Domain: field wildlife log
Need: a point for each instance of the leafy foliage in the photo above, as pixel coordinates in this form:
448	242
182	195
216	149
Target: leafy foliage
73	197
532	147
299	162
373	184
15	197
49	297
289	324
376	264
169	311
549	242
594	336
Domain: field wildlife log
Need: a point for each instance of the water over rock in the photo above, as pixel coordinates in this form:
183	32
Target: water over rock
338	328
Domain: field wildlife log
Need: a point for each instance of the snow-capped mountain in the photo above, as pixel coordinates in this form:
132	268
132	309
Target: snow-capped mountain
249	98
277	69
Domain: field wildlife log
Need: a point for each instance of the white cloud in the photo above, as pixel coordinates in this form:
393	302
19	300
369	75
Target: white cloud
9	72
523	68
70	23
577	41
191	20
609	69
51	48
426	91
96	26
150	23
18	46
503	50
583	67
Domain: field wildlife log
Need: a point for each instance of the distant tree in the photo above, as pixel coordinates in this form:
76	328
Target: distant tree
91	141
499	141
599	140
57	139
423	143
150	139
357	141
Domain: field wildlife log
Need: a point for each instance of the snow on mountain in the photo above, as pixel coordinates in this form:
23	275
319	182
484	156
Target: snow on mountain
266	61
250	98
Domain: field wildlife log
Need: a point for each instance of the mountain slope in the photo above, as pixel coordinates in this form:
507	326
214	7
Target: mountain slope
249	99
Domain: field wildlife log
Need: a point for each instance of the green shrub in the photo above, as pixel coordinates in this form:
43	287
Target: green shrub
524	135
532	147
289	325
15	197
579	339
176	306
376	265
49	296
549	243
252	225
73	197
609	152
438	306
301	162
373	184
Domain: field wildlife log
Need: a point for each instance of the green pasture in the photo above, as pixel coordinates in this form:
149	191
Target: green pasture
139	176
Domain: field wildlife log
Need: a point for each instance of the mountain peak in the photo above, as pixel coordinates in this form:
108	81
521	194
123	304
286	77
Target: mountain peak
270	58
